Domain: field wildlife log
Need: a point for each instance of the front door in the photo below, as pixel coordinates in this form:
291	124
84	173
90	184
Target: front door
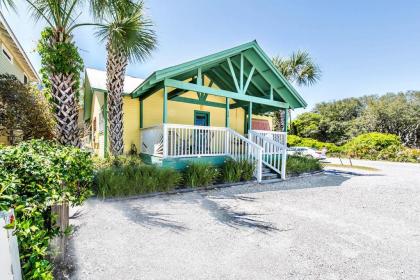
201	118
202	141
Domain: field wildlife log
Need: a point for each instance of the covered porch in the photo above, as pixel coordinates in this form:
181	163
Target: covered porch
242	79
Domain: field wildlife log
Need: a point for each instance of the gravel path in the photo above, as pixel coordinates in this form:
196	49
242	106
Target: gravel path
337	225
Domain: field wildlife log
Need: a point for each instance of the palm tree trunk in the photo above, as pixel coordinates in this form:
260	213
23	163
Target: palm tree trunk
65	100
115	68
279	120
66	113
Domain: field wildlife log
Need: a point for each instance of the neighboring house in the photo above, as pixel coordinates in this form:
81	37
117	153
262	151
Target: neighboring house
200	110
13	60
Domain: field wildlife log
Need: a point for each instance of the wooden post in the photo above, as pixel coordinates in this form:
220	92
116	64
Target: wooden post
286	111
165	104
105	124
249	117
227	116
141	113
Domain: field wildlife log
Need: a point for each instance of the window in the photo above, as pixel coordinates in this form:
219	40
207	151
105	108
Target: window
102	120
25	79
7	54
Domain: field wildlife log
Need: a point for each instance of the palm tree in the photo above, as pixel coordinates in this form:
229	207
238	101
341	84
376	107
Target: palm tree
129	38
60	73
299	68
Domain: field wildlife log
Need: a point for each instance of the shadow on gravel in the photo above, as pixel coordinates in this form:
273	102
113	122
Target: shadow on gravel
151	219
340	172
236	219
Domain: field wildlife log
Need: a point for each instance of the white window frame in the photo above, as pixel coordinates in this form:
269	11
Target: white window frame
5	50
27	79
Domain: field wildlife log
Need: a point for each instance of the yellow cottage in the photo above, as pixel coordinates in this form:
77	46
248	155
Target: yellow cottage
207	109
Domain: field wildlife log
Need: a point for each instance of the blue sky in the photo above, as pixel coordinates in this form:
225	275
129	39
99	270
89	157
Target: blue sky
362	47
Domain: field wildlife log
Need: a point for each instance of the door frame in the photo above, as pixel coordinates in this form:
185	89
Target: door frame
198	112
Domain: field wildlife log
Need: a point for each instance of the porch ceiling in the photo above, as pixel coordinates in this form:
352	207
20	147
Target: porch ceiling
244	73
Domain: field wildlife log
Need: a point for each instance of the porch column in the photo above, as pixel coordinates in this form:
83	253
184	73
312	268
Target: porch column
106	124
141	113
249	117
165	105
227	116
286	118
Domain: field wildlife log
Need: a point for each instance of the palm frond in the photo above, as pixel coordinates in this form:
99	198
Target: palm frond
8	4
129	31
299	68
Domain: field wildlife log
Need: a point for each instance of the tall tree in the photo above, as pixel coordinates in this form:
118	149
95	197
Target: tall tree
61	62
299	68
129	38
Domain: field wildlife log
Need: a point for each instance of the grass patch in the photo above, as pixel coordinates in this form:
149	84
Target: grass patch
360	167
126	180
298	164
200	175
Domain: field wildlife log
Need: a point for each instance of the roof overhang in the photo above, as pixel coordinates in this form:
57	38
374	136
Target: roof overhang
244	73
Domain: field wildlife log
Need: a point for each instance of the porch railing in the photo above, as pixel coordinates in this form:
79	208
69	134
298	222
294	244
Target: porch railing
274	146
175	140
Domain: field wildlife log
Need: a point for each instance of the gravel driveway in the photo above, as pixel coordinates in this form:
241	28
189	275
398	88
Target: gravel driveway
337	225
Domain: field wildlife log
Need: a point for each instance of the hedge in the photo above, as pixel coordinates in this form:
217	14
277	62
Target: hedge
34	176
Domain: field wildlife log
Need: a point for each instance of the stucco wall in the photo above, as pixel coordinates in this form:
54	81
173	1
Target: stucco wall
7	67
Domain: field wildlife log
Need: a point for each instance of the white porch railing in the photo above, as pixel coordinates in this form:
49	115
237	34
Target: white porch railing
274	146
175	140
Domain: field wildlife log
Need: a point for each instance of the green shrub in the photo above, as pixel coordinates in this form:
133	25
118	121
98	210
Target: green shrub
134	179
200	175
231	171
373	146
33	176
247	168
298	164
101	163
293	140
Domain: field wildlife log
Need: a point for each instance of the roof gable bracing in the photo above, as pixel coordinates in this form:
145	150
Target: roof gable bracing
258	77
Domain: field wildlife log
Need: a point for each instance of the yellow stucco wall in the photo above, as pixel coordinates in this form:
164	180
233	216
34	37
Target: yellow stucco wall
97	136
131	122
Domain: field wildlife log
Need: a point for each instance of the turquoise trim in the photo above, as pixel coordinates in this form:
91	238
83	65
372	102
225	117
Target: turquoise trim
181	163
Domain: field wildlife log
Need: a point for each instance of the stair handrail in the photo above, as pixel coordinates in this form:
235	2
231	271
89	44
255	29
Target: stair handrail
257	156
281	147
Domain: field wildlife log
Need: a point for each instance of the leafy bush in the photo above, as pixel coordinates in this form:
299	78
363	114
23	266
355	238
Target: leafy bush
235	171
380	146
101	163
373	145
125	179
298	164
293	140
24	111
200	175
33	176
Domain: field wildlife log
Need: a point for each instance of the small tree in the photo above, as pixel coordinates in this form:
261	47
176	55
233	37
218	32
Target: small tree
24	111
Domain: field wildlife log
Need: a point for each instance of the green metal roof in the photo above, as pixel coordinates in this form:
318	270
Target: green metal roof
217	68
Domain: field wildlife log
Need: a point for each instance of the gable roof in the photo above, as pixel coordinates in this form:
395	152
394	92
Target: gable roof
97	81
15	47
216	67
